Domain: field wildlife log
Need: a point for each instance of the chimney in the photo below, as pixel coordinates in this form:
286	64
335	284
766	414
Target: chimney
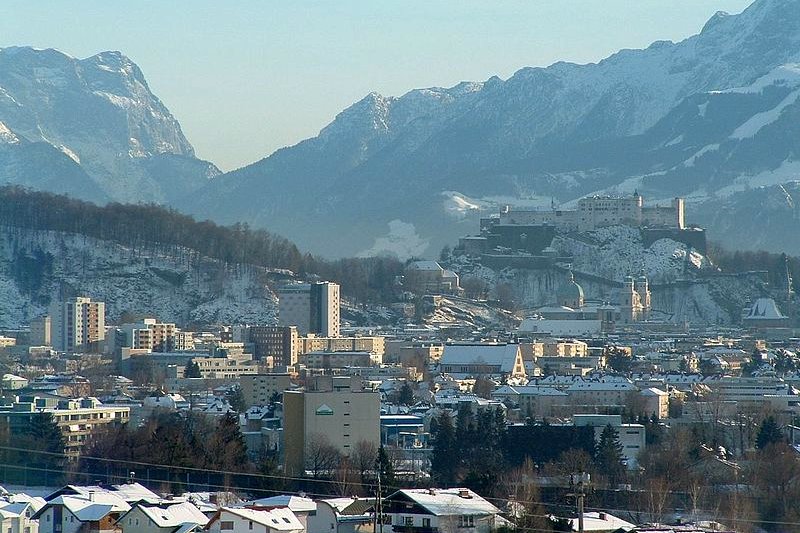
603	516
91	495
464	493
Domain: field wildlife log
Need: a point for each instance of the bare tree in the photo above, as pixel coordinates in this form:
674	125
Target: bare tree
363	459
322	457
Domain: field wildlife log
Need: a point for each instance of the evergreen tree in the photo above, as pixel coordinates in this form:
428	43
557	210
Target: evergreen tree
445	458
768	433
192	369
385	467
41	448
406	396
226	448
609	456
235	397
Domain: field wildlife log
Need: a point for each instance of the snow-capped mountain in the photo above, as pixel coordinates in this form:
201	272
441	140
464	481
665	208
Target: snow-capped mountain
709	116
90	128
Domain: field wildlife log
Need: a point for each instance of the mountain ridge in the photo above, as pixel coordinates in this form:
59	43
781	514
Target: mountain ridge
101	113
544	132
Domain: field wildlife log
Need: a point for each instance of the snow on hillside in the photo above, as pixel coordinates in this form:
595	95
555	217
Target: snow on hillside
616	252
37	267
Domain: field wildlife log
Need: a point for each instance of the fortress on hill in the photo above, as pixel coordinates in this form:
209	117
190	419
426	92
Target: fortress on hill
518	237
597	212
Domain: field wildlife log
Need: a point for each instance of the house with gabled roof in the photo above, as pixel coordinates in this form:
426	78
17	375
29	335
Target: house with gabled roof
70	513
483	360
343	515
439	511
243	519
17	511
301	506
165	516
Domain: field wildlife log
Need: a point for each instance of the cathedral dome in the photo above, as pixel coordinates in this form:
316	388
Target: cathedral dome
570	294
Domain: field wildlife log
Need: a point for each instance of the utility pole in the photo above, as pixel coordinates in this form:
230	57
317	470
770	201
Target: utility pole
378	522
579	483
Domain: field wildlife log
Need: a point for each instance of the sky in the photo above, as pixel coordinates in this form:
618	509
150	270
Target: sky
246	77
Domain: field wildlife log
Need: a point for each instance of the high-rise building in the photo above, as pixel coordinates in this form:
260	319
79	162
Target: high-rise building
77	324
312	307
149	334
278	342
334	411
40	331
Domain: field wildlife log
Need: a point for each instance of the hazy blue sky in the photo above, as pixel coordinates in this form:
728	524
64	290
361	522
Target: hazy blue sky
245	77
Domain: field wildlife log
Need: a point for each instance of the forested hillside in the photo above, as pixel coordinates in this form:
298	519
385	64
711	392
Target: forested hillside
149	226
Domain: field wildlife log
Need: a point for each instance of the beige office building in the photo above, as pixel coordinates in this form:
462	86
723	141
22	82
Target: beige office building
257	389
334	410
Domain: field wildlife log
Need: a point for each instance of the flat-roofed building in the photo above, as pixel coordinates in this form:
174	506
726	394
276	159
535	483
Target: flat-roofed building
259	389
334	411
312	307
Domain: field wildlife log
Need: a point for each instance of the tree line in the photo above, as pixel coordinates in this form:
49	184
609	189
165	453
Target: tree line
149	226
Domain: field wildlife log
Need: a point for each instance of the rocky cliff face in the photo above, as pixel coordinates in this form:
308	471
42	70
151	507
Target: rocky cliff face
90	128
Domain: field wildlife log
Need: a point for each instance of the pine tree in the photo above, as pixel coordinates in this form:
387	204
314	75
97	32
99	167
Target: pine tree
445	459
406	396
768	433
609	458
235	397
41	447
192	369
385	467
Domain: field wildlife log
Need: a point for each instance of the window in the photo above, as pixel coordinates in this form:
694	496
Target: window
426	522
466	521
250	525
408	521
226	525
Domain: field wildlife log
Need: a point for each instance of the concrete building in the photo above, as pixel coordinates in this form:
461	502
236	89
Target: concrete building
258	389
77	419
149	334
77	324
632	437
331	360
40	331
312	307
428	277
314	343
333	411
278	342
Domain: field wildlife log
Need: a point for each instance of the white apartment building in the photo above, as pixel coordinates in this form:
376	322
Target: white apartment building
312	307
77	324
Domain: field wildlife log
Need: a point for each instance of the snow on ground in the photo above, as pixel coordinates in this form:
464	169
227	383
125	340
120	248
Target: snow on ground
754	124
788	74
787	171
616	252
175	285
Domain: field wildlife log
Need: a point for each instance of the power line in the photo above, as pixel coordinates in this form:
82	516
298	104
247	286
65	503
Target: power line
339	484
